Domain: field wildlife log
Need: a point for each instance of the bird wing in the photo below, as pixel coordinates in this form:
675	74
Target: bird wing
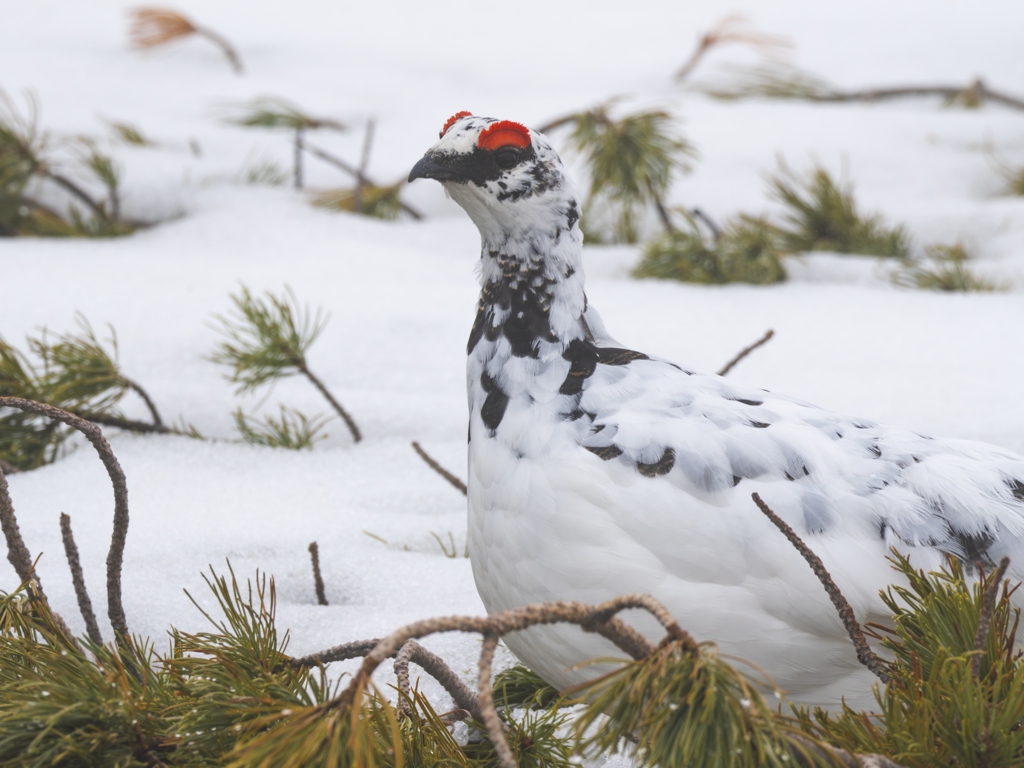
826	474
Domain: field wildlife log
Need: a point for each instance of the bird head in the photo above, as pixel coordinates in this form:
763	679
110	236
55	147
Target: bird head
505	176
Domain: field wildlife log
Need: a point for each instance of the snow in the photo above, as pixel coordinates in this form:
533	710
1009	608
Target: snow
402	295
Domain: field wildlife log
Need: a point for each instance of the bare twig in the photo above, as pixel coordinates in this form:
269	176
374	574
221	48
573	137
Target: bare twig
221	42
744	352
865	655
115	557
314	553
151	27
355	173
157	421
716	231
357	199
977	92
491	721
434	666
729	30
439	469
301	365
77	191
78	580
17	552
130	425
297	157
988	602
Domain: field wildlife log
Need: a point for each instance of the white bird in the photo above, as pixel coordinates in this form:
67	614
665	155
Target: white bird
596	471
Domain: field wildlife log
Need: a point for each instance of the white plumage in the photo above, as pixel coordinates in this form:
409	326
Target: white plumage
596	471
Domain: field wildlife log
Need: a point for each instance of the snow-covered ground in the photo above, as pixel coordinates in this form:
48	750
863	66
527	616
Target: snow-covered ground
402	295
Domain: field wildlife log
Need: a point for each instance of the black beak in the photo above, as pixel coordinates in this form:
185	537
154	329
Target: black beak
427	168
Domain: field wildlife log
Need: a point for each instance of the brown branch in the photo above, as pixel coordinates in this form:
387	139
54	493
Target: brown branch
130	425
314	552
77	191
728	30
221	42
18	555
744	352
490	720
297	157
115	557
434	666
864	653
977	90
17	552
354	172
157	421
78	580
439	469
299	363
988	602
357	198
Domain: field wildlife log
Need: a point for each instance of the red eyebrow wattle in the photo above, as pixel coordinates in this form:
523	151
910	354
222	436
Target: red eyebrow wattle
452	119
504	134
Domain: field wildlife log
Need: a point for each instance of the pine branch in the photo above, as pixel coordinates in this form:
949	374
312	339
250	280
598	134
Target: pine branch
78	580
746	351
490	718
17	553
434	666
865	655
115	557
318	582
456	482
300	363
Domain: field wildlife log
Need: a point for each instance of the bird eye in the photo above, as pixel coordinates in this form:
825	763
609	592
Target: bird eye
506	157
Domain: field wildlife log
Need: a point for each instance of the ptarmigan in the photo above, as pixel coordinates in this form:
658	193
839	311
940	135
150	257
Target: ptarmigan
596	470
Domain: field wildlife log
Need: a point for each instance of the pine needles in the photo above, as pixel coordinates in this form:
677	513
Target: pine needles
266	340
632	161
747	250
75	372
944	269
940	711
822	216
154	27
27	162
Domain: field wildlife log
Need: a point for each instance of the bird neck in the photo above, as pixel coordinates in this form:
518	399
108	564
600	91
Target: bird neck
532	293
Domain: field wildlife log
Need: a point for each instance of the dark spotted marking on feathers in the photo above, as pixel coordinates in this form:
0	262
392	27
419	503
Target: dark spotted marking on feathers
661	467
572	215
616	356
493	409
736	480
758	424
597	428
875	450
582	357
745	401
806	470
974	547
788	476
574	415
1016	488
569	272
607	452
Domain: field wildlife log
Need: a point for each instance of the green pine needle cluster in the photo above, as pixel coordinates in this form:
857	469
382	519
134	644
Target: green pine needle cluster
937	711
75	372
293	430
266	339
375	201
822	216
271	112
945	269
27	160
748	250
631	161
129	134
521	688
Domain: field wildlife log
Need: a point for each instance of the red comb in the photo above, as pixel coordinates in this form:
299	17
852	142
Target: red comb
452	119
504	134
